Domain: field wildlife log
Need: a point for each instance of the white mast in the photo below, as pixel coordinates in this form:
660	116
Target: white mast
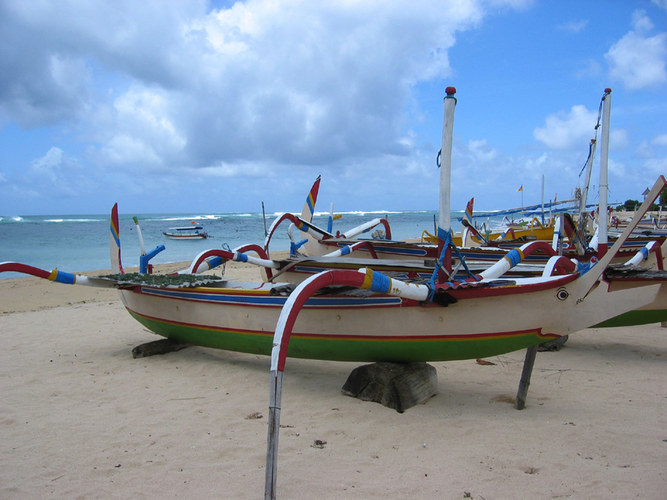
603	215
587	182
542	198
444	221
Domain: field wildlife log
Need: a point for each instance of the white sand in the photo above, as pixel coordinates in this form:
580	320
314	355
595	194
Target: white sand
81	419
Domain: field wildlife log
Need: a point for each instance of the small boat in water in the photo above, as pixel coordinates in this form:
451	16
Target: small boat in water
186	233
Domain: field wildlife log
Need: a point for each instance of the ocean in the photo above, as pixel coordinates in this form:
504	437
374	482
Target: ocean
78	243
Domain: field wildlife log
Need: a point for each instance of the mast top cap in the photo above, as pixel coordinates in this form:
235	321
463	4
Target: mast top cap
450	90
607	90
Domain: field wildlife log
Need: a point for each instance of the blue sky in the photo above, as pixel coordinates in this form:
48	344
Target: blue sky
195	106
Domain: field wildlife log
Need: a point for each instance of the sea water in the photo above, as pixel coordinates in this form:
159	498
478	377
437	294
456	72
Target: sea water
78	243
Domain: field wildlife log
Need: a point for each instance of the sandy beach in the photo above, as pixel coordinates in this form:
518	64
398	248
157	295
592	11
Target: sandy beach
80	418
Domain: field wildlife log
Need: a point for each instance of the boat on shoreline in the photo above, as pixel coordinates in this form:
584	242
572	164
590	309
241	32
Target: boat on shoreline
362	314
193	232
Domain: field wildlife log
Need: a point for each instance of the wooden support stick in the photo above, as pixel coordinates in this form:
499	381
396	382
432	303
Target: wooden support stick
275	397
527	371
162	346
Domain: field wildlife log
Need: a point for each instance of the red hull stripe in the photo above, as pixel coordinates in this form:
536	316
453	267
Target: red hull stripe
366	338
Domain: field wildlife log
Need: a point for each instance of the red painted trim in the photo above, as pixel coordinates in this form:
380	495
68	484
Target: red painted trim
24	268
350	278
201	326
366	245
212	253
387	229
364	338
494	291
252	247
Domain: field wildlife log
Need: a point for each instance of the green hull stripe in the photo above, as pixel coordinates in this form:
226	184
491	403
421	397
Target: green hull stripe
635	318
347	349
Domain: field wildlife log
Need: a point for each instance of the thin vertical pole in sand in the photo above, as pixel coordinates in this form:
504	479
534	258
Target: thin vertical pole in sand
526	373
275	397
362	278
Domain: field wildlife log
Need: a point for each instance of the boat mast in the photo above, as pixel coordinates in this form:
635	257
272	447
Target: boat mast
542	198
586	184
581	221
603	216
444	221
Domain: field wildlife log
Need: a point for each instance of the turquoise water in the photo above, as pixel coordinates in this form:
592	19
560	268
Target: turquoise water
81	242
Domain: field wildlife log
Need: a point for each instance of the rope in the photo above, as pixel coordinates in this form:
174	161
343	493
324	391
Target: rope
446	237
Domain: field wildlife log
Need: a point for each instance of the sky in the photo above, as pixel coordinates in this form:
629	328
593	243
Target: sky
217	106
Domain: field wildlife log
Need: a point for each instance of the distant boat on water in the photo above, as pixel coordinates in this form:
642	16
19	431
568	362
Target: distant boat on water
193	232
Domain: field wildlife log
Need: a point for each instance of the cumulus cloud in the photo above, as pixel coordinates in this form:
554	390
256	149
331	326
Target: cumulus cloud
573	130
638	59
292	81
568	130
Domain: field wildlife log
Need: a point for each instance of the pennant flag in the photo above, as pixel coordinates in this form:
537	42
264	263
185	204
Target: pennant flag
311	199
114	242
520	188
468	212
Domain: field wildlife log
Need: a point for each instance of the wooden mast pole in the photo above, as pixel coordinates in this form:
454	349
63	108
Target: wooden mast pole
603	215
444	221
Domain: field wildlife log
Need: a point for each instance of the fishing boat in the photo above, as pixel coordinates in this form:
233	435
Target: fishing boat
364	315
477	246
193	232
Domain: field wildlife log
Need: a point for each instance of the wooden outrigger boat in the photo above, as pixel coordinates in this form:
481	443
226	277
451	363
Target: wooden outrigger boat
380	318
363	315
415	259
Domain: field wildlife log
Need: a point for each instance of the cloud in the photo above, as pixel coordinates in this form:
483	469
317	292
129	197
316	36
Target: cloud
573	131
646	148
143	130
639	60
574	26
568	130
481	152
167	85
54	174
660	140
656	166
